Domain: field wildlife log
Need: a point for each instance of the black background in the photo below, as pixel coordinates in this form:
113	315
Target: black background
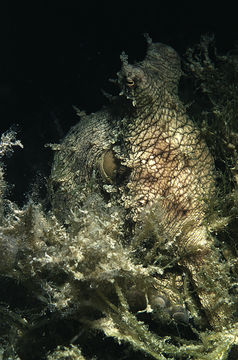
55	54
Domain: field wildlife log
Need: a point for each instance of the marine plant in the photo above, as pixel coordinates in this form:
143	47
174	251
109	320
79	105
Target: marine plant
137	256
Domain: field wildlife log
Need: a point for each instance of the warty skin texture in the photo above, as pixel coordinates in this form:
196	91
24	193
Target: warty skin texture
144	150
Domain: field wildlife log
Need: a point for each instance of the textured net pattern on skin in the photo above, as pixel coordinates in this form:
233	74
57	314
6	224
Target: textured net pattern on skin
169	161
151	136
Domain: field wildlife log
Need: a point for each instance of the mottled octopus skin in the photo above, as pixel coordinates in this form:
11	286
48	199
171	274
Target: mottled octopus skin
148	151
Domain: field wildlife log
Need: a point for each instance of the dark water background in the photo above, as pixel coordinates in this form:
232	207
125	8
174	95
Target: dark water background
55	54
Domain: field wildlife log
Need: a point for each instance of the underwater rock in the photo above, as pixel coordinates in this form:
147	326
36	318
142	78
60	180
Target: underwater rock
143	150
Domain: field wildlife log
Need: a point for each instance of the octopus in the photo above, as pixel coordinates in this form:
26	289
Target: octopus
143	150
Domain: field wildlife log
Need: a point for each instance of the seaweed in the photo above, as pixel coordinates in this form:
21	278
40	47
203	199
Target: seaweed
77	284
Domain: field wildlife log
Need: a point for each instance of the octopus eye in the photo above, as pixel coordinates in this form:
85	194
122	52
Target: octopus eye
130	82
110	167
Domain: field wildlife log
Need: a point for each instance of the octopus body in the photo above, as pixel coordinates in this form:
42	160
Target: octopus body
144	150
